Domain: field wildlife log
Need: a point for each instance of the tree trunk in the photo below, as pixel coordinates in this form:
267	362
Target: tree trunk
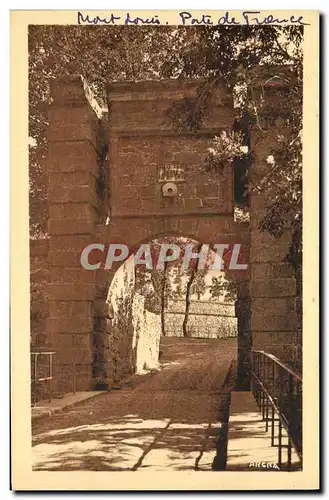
188	302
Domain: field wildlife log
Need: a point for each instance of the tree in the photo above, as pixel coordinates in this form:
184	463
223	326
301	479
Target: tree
233	54
100	54
168	283
198	287
221	286
236	54
126	53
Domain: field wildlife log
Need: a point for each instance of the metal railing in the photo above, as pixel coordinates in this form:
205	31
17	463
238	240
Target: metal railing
43	376
278	393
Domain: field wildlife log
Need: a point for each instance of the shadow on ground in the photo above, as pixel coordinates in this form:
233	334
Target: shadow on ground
174	419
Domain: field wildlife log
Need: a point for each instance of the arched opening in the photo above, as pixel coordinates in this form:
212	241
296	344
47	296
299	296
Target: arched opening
154	307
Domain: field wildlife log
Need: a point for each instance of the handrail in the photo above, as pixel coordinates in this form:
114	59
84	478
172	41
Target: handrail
276	384
34	377
279	362
47	366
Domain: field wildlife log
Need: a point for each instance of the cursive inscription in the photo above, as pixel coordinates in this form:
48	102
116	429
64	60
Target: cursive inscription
249	18
128	20
254	18
97	20
185	18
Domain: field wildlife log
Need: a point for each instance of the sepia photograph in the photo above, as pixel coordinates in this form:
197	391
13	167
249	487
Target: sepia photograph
165	167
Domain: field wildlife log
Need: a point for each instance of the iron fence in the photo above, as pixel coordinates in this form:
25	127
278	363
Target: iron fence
41	374
278	393
43	377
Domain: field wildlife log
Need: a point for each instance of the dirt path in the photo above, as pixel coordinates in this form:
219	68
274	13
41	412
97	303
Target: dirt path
169	420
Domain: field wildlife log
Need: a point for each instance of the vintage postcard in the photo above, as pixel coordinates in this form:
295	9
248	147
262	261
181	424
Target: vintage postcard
164	245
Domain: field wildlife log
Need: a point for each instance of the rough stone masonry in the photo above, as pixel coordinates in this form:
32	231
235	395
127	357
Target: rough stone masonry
114	168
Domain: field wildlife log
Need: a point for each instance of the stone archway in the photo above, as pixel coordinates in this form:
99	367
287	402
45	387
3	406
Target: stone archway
103	330
139	156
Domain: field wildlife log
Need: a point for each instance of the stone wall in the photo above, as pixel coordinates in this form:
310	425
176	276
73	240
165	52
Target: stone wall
142	154
134	333
145	152
147	328
74	152
272	285
121	341
118	169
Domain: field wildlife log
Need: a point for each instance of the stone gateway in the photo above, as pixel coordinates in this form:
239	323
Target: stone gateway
127	176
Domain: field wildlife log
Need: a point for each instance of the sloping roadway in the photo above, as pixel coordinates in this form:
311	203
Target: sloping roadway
171	419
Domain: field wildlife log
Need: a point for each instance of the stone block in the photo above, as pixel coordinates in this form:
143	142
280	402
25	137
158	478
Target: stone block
39	246
72	275
283	287
75	178
64	258
69	226
275	305
72	157
68	89
82	341
147	205
71	291
73	194
264	237
62	308
101	233
85	382
72	324
38	275
265	252
72	123
38	260
73	211
75	356
271	270
43	340
104	275
262	340
132	231
272	322
62	342
70	242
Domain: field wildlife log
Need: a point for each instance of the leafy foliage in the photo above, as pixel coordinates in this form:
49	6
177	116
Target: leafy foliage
198	286
225	149
237	55
100	54
221	286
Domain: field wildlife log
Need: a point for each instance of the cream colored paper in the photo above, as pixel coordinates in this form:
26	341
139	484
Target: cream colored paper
23	478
